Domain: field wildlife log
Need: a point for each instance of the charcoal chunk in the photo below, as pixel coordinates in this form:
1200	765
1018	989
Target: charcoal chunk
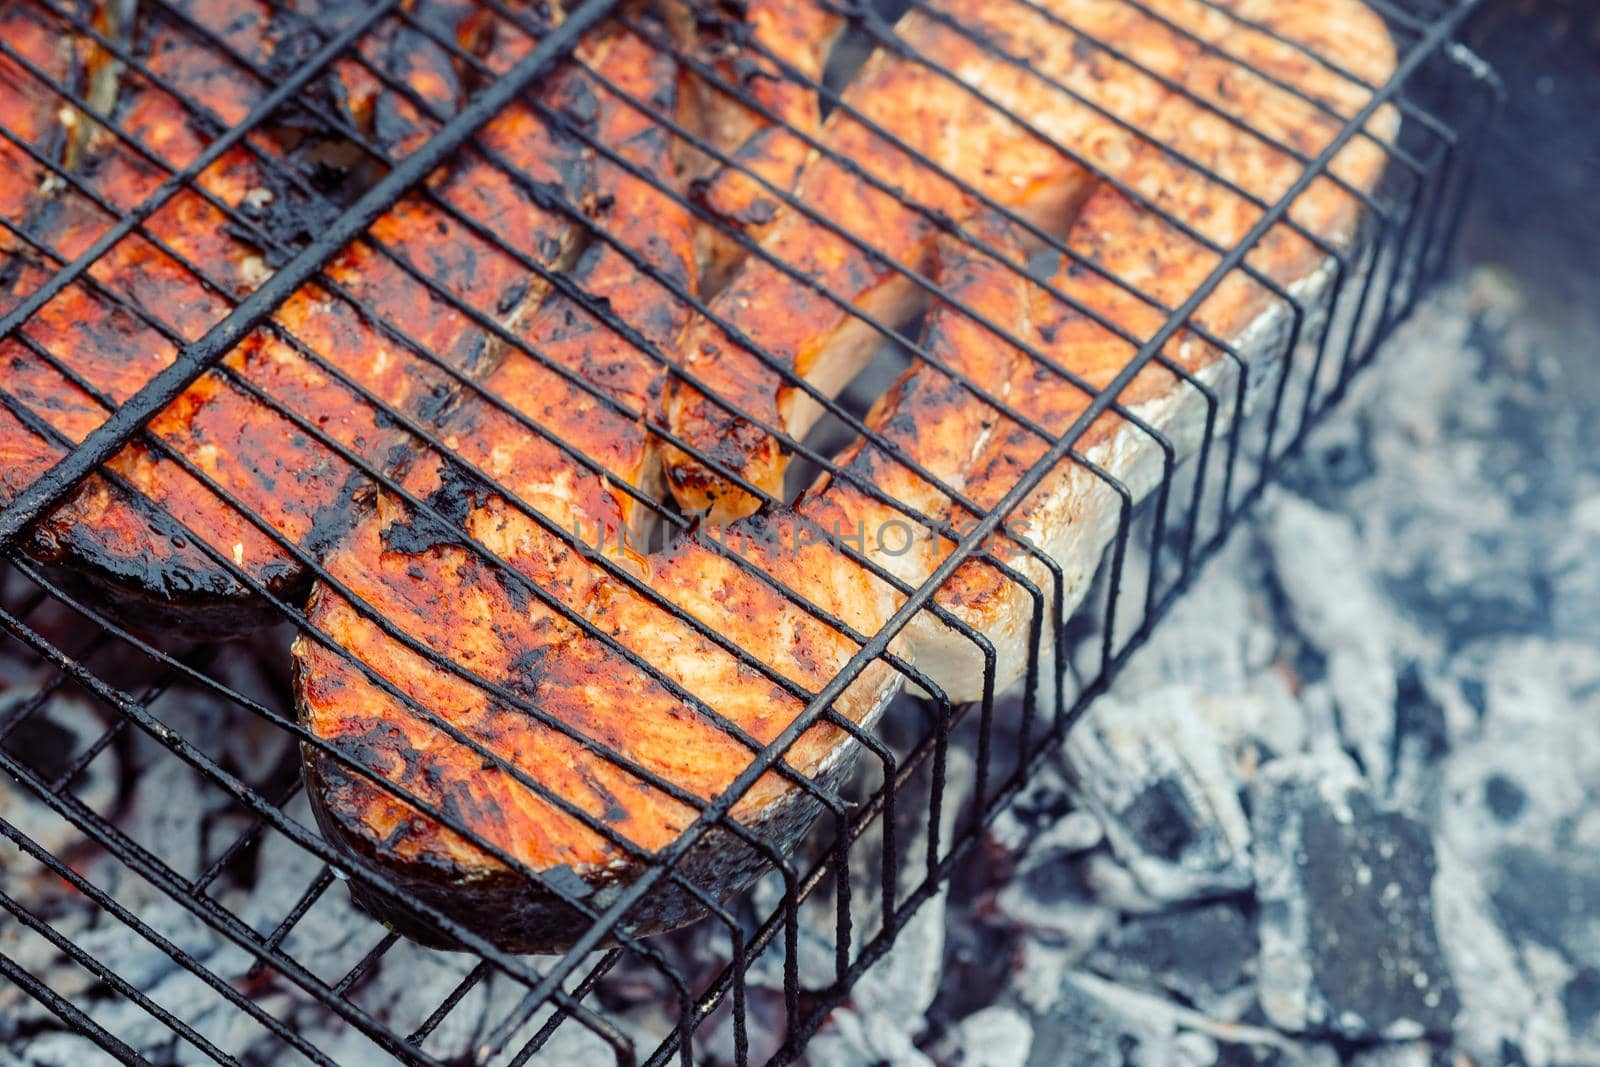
1551	899
1199	953
1349	944
1166	788
1089	1022
1581	999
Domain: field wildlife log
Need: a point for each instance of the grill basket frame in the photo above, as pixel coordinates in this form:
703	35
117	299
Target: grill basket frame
1446	97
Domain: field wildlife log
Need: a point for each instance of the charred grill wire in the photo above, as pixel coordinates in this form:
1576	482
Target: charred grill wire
343	119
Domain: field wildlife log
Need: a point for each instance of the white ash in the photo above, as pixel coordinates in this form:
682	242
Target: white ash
996	1036
1166	790
1355	631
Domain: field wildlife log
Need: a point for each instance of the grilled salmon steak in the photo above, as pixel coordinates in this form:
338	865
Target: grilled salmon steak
420	274
519	707
255	469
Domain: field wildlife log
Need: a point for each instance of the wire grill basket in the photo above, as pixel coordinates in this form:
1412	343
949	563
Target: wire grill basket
339	124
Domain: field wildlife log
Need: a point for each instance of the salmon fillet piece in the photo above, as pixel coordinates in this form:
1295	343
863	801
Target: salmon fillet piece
1073	513
132	546
565	436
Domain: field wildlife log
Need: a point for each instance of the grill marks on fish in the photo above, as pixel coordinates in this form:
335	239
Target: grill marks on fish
37	120
109	348
432	81
450	600
446	597
300	487
936	105
31	116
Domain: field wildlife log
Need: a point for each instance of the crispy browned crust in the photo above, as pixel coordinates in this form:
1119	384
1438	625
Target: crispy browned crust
447	599
120	547
28	116
405	567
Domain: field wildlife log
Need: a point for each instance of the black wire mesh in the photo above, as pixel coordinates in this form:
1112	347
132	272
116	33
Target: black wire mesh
97	703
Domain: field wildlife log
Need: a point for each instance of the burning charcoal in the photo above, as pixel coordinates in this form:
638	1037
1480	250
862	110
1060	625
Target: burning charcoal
1167	791
1320	566
1081	1029
1348	939
1202	954
1089	1022
1114	886
1076	831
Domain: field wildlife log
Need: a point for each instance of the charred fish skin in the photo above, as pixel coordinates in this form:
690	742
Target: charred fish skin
120	549
518	914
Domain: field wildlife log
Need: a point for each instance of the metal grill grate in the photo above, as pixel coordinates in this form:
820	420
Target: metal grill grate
159	700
